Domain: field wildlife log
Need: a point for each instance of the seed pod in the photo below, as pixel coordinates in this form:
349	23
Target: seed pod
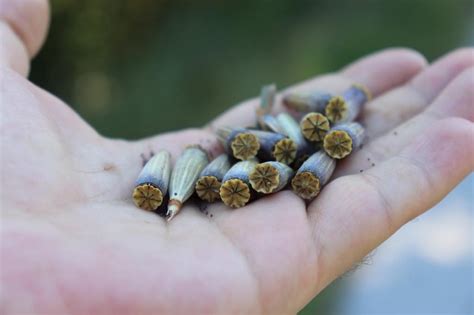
267	99
184	176
275	146
305	103
314	126
347	107
152	183
270	123
209	182
235	189
342	139
270	177
239	142
291	129
312	175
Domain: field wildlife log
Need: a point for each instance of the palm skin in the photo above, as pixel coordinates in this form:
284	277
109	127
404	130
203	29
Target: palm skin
73	242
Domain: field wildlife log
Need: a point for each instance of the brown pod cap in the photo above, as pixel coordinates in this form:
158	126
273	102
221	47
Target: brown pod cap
235	193
245	146
338	144
147	196
270	177
207	188
314	126
306	185
285	151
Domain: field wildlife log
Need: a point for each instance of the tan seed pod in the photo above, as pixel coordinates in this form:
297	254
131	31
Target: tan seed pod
275	146
184	176
341	140
314	126
312	175
239	142
347	107
270	177
209	182
235	189
291	129
152	183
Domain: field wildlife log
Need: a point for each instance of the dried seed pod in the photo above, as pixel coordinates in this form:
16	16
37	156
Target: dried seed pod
270	123
347	107
184	176
152	183
267	99
305	103
235	189
239	142
340	141
291	129
209	182
275	146
314	126
270	177
312	175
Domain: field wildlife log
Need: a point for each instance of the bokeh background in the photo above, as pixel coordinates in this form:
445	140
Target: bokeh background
136	68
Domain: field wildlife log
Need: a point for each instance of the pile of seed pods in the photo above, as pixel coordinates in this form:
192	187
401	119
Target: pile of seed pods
298	151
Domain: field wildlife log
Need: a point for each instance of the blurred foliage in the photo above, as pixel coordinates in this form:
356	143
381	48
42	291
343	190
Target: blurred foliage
137	68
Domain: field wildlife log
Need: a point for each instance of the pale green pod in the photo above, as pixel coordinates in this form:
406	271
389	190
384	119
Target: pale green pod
342	139
270	123
313	174
235	189
152	183
267	99
184	176
270	177
210	179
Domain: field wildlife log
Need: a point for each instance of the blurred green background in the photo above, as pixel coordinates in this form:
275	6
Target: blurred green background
136	68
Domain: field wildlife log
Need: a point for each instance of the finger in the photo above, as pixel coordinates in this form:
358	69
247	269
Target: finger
455	101
379	72
23	29
354	214
398	105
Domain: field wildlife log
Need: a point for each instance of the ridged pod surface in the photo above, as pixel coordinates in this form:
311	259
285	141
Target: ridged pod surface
210	180
270	177
235	189
342	139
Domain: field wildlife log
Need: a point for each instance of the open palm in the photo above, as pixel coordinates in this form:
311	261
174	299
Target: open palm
72	240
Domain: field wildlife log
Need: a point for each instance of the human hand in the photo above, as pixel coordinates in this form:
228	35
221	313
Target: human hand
73	242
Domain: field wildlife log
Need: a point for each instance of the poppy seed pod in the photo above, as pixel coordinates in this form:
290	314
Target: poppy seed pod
270	123
314	126
270	177
292	130
305	103
184	176
209	182
235	189
152	183
347	107
275	146
239	142
342	139
312	175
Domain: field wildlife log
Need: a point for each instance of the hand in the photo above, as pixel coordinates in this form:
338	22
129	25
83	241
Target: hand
73	242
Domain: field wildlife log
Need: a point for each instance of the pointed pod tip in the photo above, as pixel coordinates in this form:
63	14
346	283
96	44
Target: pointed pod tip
174	206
